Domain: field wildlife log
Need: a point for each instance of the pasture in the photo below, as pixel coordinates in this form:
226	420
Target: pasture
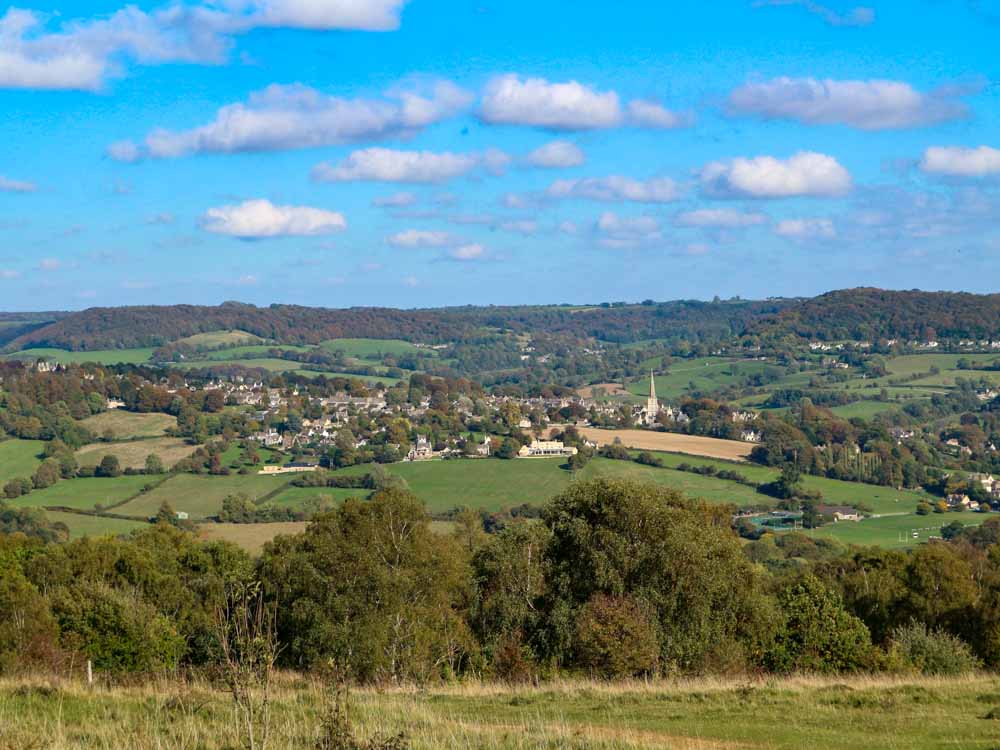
132	454
85	494
895	531
905	712
80	525
704	374
127	425
19	458
216	339
200	496
373	348
98	356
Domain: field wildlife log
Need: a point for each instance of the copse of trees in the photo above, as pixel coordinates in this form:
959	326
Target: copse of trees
615	579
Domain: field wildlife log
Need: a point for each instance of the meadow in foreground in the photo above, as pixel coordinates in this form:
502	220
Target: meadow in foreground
703	714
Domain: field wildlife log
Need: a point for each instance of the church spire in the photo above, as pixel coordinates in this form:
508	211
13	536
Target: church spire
652	387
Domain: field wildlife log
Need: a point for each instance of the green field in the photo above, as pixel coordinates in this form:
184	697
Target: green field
19	458
372	348
126	425
84	494
200	496
99	356
720	713
864	409
133	453
256	350
215	339
295	497
895	531
81	526
704	373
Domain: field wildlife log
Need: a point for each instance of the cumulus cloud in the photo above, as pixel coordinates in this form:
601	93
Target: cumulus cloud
805	174
7	185
255	219
720	218
643	113
509	100
568	106
8	274
293	117
868	105
472	251
390	165
806	229
396	200
617	188
960	161
556	155
615	231
419	238
84	54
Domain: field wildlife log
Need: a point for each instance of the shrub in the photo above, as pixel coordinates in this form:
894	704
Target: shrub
616	637
930	651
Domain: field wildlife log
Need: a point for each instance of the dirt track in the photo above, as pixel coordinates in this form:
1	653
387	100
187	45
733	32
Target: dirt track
731	450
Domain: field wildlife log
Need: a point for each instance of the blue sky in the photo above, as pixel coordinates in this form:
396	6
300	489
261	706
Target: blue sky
423	153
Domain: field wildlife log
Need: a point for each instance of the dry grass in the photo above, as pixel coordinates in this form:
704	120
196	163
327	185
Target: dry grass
251	536
701	714
133	454
126	425
695	445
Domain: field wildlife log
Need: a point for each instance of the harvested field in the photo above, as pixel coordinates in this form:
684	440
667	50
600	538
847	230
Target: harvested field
250	536
133	454
730	450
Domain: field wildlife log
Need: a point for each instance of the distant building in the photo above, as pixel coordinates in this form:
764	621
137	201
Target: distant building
540	448
292	468
652	403
840	512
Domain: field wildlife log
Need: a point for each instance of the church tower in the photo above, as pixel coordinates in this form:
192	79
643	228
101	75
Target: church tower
652	403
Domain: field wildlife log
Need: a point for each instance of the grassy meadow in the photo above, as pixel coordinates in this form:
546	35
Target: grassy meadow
133	453
200	496
98	356
127	425
19	458
85	494
372	348
901	713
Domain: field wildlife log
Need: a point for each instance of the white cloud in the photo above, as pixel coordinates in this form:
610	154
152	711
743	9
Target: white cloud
617	188
724	218
556	155
396	200
161	218
389	165
419	238
805	174
524	226
7	274
50	264
643	113
468	252
8	185
292	117
509	100
411	281
569	227
247	280
616	231
84	54
515	200
806	229
869	105
959	161
858	16
256	219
